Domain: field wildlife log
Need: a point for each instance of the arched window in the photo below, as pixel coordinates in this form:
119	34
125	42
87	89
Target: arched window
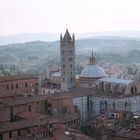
105	104
114	106
125	105
101	104
132	90
135	89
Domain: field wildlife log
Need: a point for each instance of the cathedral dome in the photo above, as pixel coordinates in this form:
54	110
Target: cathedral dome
93	70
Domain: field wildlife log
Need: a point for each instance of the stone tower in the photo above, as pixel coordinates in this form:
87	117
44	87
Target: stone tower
67	56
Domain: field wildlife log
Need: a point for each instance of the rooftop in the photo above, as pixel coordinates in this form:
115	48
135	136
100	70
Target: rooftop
115	80
135	135
67	117
30	115
26	100
93	70
56	74
17	77
33	119
74	93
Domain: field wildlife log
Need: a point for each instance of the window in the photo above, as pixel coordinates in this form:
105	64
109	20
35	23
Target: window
63	65
10	134
46	105
18	133
70	65
112	115
71	52
71	79
26	84
63	52
7	87
63	73
117	115
63	79
49	105
71	73
16	86
29	108
12	86
70	59
1	136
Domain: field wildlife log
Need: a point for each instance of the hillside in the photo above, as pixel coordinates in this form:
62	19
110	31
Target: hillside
38	54
28	37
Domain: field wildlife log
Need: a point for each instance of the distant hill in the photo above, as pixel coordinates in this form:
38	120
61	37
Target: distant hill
38	55
27	37
42	50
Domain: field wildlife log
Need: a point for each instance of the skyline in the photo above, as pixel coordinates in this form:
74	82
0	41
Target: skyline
37	16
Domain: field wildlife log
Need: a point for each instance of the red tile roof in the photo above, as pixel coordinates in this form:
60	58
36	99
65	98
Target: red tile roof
66	117
30	115
17	77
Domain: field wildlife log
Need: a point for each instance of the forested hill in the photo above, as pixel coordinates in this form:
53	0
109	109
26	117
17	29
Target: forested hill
37	54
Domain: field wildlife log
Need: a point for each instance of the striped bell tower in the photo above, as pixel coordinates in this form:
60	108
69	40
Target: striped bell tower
67	56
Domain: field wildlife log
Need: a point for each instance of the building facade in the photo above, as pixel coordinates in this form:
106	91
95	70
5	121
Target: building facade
16	86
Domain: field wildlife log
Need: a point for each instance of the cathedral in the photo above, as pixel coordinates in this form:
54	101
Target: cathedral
96	91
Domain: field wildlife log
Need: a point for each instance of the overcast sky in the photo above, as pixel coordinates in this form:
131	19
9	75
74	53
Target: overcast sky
34	16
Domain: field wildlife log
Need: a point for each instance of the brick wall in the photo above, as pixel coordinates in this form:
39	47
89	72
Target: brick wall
25	85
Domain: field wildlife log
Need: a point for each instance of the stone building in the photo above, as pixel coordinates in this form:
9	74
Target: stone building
17	86
37	116
67	56
97	91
